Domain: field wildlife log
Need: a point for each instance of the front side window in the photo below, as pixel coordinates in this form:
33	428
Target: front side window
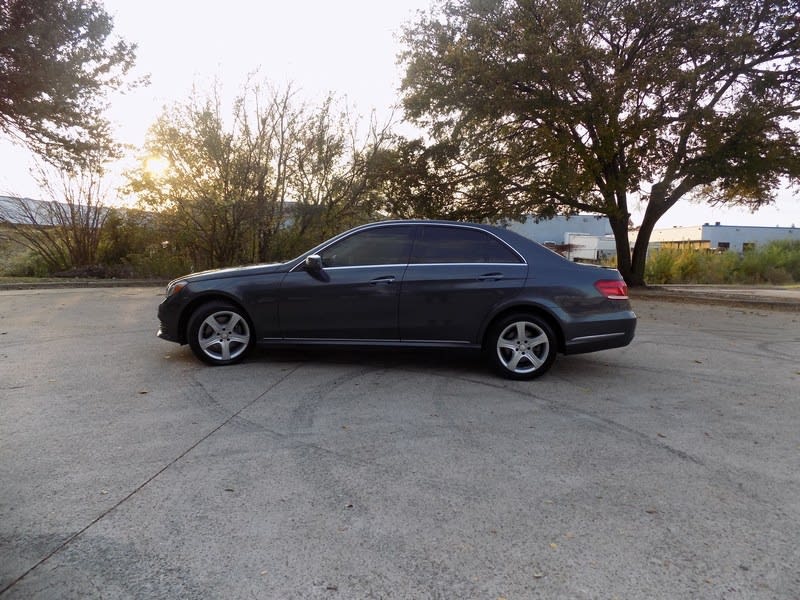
444	244
388	245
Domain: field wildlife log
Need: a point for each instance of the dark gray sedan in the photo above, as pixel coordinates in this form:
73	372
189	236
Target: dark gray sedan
433	284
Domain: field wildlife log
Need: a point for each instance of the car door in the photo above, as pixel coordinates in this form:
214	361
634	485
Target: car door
354	296
455	277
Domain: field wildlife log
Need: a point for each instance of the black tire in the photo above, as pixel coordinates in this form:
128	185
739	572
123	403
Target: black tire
521	346
220	333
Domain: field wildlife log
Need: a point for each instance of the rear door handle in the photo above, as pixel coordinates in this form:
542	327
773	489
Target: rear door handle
389	279
490	277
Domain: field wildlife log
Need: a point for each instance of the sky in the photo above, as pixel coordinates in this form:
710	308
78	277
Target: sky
348	47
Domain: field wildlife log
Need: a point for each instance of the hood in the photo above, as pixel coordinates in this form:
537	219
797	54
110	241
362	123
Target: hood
233	272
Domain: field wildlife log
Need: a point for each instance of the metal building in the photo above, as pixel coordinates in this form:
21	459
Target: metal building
578	237
736	238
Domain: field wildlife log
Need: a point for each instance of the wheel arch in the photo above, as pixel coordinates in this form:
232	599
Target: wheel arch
530	309
190	308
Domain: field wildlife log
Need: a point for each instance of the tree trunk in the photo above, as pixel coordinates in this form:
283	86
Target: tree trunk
656	207
620	228
640	249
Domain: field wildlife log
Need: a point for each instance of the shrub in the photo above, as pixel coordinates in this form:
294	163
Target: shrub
785	255
776	263
686	267
156	265
23	263
659	266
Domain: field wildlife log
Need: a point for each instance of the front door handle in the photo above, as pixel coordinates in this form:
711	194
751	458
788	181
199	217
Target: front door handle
389	279
490	277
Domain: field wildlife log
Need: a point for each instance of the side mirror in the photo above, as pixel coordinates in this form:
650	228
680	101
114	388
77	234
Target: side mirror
313	263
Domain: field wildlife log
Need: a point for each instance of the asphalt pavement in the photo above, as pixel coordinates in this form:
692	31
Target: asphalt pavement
667	469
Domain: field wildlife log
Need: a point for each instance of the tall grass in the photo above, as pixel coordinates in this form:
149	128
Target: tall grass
776	263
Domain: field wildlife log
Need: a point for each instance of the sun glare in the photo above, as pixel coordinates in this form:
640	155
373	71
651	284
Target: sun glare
157	166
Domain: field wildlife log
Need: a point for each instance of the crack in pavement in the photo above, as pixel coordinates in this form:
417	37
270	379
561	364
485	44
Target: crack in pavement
140	487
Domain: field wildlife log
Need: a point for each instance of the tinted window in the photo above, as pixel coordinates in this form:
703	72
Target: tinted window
439	244
379	246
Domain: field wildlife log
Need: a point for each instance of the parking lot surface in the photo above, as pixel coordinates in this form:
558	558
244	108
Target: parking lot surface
667	469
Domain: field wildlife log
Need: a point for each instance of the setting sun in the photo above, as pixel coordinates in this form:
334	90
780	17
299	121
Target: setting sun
156	166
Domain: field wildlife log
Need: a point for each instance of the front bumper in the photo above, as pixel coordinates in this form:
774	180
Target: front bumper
168	319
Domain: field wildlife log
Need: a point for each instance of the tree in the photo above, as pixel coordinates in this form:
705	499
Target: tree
65	230
261	184
560	106
335	179
214	180
57	63
409	176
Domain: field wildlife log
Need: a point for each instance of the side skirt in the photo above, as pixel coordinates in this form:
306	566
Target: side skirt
300	342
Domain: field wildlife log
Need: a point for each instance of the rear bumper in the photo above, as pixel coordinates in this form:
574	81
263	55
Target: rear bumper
602	336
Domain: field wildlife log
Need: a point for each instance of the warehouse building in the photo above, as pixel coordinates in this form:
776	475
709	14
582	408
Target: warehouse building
585	238
716	237
589	237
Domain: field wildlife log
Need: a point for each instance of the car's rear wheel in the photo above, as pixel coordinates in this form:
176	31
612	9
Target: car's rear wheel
219	333
521	346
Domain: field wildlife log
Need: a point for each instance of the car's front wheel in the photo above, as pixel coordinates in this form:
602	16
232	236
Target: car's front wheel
219	333
521	346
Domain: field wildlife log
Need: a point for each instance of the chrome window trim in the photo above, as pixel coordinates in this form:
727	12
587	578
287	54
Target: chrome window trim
417	224
404	265
460	264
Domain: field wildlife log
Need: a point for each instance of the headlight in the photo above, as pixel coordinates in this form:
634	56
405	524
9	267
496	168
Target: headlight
174	287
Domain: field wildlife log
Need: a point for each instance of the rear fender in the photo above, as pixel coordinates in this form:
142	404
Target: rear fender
548	313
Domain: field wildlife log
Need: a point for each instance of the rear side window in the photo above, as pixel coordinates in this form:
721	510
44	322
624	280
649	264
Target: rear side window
379	246
444	244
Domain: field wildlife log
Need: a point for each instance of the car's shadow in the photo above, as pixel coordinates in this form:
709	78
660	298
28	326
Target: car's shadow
456	362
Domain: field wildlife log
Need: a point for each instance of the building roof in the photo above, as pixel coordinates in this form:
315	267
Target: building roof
24	211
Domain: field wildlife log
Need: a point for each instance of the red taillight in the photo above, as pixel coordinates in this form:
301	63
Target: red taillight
613	289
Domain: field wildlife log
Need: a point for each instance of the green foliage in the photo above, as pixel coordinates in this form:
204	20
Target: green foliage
154	263
783	255
28	264
557	106
133	245
130	246
247	188
409	176
659	267
776	263
57	62
18	261
127	232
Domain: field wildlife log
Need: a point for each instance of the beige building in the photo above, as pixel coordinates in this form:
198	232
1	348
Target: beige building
736	238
